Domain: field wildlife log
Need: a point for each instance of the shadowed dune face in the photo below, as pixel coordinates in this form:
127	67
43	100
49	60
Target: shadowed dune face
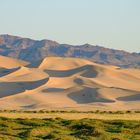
88	95
79	81
67	83
86	71
35	64
11	88
4	71
29	106
135	97
52	90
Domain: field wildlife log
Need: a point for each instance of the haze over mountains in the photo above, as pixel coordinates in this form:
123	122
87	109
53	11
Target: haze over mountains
67	84
35	50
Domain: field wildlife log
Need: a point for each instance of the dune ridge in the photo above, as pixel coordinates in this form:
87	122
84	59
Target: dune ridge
67	84
10	63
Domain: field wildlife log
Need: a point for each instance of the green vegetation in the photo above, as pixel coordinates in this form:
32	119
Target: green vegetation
71	111
62	129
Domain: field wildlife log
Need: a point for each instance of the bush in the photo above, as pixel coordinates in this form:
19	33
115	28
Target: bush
62	129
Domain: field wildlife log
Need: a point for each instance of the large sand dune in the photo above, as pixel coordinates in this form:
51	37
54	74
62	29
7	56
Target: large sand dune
68	84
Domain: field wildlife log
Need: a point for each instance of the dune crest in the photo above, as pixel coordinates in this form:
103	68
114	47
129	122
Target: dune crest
10	63
67	83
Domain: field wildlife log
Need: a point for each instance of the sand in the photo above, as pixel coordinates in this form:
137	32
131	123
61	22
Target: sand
68	84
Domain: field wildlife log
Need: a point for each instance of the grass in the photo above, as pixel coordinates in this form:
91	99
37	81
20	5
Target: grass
63	129
105	115
71	111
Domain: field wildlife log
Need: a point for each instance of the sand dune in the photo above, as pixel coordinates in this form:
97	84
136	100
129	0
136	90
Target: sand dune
10	63
67	83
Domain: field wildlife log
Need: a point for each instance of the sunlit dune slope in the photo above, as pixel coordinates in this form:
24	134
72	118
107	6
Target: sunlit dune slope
9	63
68	83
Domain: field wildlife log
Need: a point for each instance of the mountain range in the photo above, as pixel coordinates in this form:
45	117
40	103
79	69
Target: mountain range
36	50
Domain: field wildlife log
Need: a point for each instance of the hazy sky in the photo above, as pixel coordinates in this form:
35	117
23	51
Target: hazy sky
110	23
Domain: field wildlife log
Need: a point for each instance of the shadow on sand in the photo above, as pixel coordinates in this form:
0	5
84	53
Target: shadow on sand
88	71
88	95
10	88
4	71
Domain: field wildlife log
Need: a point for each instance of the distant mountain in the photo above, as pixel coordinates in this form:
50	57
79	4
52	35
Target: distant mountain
34	50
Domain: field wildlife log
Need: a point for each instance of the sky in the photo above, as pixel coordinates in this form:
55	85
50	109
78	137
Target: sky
109	23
